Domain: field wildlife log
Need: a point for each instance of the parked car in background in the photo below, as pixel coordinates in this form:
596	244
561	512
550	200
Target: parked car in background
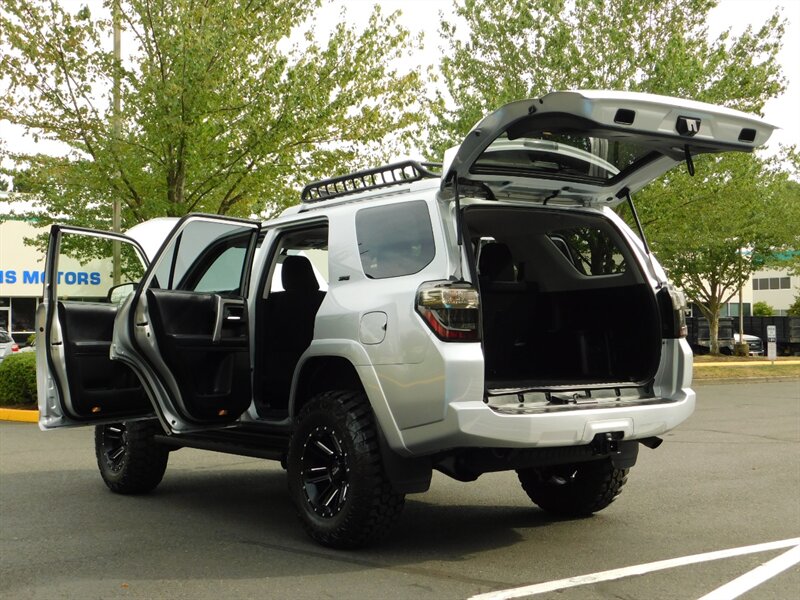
7	344
30	347
755	344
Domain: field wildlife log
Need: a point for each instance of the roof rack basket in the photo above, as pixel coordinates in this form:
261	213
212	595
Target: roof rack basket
369	179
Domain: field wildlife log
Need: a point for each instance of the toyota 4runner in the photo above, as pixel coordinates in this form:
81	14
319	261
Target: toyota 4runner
492	313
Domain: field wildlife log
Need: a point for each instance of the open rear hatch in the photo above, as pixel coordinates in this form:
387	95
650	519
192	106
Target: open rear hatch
592	147
569	318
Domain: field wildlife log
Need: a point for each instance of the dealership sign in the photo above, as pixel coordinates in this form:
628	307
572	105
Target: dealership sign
26	276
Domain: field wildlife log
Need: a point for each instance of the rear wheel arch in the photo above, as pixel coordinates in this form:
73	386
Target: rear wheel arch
319	374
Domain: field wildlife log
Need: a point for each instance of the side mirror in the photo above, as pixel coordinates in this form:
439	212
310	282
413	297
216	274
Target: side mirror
118	293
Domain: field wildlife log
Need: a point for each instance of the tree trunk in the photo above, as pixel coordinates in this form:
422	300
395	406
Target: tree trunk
713	331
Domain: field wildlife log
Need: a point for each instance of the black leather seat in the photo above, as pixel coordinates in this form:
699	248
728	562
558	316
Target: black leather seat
505	309
289	328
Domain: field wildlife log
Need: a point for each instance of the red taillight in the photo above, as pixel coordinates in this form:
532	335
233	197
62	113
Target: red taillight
672	304
14	348
451	310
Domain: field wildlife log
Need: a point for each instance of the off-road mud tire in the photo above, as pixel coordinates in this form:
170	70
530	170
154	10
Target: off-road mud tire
343	498
574	490
129	459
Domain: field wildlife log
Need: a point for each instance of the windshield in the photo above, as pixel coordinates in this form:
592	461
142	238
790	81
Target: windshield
560	155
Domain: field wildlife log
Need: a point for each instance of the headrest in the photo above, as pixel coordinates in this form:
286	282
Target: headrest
297	275
496	263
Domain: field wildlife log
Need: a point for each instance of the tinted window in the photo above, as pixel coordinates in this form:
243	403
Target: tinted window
560	154
591	251
225	272
394	240
207	256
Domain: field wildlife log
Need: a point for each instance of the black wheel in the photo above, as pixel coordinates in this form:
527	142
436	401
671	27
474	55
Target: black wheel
575	490
130	461
336	477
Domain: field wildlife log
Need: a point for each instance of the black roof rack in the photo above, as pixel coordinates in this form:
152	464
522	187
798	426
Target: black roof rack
369	179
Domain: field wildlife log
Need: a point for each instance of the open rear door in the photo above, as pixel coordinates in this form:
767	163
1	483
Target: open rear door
186	329
87	275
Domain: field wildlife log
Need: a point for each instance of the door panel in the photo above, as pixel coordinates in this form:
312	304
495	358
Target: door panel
98	386
212	371
78	383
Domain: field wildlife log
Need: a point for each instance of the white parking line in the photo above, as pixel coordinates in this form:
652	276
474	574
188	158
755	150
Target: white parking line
757	576
560	584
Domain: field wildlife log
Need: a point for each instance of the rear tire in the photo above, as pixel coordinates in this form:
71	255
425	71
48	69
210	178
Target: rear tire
336	476
129	459
574	490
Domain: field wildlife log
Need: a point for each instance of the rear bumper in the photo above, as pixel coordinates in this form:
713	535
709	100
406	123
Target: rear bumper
474	424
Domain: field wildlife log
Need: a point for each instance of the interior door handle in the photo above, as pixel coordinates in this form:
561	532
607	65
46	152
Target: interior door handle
227	311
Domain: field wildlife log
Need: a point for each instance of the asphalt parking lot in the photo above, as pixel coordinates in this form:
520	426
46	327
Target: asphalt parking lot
222	526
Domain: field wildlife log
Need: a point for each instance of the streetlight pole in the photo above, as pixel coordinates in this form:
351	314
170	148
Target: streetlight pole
116	129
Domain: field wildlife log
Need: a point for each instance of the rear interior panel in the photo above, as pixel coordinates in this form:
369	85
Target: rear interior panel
563	301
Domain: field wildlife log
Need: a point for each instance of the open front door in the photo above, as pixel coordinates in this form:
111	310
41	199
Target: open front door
87	274
186	330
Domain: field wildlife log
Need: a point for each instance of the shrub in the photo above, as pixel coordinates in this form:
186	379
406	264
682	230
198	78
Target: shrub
18	379
794	309
762	309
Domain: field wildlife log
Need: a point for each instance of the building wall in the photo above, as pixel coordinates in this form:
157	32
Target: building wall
776	287
22	277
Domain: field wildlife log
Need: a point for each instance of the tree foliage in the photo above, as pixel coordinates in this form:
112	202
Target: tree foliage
228	106
794	309
712	234
497	52
762	309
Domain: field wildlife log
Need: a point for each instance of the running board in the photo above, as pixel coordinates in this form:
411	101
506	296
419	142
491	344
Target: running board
271	446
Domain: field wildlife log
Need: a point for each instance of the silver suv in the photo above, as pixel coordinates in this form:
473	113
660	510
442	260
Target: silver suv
492	313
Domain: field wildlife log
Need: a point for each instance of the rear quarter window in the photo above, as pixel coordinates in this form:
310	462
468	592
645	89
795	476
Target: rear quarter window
395	240
591	251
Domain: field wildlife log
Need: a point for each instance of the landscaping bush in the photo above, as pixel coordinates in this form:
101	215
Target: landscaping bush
762	309
18	379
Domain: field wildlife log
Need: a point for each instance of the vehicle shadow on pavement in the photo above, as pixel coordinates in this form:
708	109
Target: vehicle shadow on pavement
239	510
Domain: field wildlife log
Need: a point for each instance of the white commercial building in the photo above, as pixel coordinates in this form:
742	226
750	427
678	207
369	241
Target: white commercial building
22	277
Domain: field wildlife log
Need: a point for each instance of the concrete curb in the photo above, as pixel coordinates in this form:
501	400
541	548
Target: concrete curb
738	363
14	414
711	381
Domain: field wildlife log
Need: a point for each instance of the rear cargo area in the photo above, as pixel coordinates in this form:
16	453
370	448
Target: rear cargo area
563	300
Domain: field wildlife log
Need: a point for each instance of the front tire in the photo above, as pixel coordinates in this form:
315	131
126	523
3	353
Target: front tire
336	476
574	490
129	459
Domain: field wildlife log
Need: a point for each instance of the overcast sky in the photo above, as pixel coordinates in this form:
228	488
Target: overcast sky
423	16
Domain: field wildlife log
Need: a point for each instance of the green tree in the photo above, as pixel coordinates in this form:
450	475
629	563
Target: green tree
497	52
794	309
711	232
228	107
762	309
705	229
